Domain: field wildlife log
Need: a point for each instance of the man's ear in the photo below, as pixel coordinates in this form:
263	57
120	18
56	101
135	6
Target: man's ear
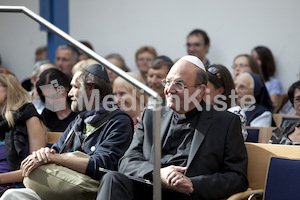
207	48
202	87
221	90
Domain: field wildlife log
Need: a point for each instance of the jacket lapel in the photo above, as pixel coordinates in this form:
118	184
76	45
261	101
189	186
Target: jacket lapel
165	121
201	130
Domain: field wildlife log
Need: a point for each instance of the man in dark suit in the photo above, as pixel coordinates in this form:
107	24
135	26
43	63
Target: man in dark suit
203	154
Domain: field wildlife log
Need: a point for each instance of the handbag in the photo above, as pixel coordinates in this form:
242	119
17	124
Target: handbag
52	182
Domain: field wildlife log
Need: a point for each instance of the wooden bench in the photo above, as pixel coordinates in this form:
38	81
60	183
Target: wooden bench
258	161
52	137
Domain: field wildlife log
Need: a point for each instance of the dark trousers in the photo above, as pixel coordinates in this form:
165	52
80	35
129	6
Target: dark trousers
117	186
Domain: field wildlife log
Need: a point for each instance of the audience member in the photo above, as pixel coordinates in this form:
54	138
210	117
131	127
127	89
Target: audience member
41	53
110	132
21	130
245	63
65	58
254	99
284	106
189	171
143	57
289	131
83	63
220	92
117	60
157	72
129	98
39	67
82	55
265	60
53	87
198	45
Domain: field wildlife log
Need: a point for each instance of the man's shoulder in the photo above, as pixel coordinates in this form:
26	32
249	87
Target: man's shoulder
163	110
117	114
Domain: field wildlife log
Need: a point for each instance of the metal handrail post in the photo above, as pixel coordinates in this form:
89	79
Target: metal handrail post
115	69
157	152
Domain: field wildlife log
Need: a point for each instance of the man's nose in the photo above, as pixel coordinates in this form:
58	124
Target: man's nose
70	94
59	63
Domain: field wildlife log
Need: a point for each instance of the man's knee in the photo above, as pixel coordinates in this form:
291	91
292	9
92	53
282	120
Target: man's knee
114	177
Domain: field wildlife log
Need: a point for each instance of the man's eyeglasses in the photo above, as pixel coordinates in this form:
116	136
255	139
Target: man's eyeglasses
296	100
214	71
4	71
179	86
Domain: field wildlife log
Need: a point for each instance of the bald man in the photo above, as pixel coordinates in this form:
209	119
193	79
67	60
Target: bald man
203	153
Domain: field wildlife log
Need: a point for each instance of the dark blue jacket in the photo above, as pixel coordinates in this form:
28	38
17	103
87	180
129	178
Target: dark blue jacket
105	146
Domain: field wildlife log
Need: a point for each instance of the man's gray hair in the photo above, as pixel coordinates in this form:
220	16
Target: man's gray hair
87	79
75	52
201	77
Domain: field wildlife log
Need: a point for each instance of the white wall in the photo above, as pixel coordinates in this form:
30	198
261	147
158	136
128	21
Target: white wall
234	27
19	37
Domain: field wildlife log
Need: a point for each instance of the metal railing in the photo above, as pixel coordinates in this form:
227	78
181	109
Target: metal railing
115	69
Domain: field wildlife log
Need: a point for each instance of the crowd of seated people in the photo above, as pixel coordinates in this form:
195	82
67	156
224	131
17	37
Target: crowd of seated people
251	94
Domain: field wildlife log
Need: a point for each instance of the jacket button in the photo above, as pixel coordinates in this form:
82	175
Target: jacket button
93	148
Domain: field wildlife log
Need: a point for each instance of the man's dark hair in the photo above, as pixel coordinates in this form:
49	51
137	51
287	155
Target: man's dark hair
161	61
88	79
292	89
202	33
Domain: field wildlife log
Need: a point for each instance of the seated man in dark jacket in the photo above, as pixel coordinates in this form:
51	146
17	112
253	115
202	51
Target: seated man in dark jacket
101	130
203	154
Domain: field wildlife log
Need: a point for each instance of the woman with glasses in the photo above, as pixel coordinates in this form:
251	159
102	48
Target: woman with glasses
289	131
21	130
220	92
245	63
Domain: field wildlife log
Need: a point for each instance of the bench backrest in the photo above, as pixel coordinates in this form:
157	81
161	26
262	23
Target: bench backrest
259	134
279	118
258	160
53	137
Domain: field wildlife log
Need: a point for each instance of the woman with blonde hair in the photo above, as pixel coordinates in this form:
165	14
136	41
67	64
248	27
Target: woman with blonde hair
21	130
129	98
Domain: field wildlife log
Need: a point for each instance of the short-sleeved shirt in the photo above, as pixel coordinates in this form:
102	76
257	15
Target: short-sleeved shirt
274	86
